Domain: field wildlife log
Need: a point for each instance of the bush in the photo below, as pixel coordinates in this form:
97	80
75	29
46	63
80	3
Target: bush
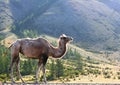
76	72
118	73
93	71
84	73
118	77
3	76
67	79
106	74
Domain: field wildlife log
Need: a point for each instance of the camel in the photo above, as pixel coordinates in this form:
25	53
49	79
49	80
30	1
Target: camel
38	48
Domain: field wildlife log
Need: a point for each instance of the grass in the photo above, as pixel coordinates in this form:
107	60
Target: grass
94	73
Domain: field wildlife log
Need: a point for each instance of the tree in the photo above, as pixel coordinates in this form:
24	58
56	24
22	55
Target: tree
27	67
59	69
30	33
79	61
52	70
4	62
56	70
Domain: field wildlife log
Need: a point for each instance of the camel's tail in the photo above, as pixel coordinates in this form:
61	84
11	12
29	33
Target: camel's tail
7	50
10	46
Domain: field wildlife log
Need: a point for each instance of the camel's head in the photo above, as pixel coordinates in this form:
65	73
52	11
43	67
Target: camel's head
65	38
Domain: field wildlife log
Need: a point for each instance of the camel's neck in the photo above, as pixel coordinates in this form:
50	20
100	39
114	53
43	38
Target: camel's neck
58	52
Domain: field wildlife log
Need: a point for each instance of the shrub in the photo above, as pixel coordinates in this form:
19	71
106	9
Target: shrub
93	71
118	77
107	76
3	77
118	73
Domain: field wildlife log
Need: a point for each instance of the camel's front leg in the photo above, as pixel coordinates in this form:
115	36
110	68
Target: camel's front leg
44	59
44	73
42	62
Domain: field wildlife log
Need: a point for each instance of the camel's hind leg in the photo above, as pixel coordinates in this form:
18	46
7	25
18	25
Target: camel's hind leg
11	69
18	69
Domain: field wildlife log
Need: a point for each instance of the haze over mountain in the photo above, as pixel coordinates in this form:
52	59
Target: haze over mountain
93	24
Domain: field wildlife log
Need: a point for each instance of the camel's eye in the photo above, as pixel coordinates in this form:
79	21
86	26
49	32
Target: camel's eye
63	38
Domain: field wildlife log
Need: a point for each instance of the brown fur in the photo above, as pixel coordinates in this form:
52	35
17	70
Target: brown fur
37	49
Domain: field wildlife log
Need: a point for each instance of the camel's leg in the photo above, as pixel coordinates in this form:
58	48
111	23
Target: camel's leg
45	57
11	69
38	70
44	73
18	69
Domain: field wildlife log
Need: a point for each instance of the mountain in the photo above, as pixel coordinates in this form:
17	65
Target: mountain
94	24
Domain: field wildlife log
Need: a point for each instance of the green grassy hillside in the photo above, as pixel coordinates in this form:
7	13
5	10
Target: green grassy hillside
77	65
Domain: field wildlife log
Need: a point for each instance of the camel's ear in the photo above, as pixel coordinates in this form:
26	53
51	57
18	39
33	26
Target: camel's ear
63	35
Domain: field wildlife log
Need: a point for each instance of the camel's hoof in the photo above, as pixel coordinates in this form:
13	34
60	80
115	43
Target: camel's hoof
23	82
13	82
36	82
45	82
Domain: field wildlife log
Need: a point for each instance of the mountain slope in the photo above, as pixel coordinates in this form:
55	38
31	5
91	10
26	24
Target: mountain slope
93	24
88	24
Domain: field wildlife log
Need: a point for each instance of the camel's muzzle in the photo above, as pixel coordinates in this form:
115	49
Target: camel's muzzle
70	39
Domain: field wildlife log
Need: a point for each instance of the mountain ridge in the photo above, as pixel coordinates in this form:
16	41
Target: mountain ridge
93	24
